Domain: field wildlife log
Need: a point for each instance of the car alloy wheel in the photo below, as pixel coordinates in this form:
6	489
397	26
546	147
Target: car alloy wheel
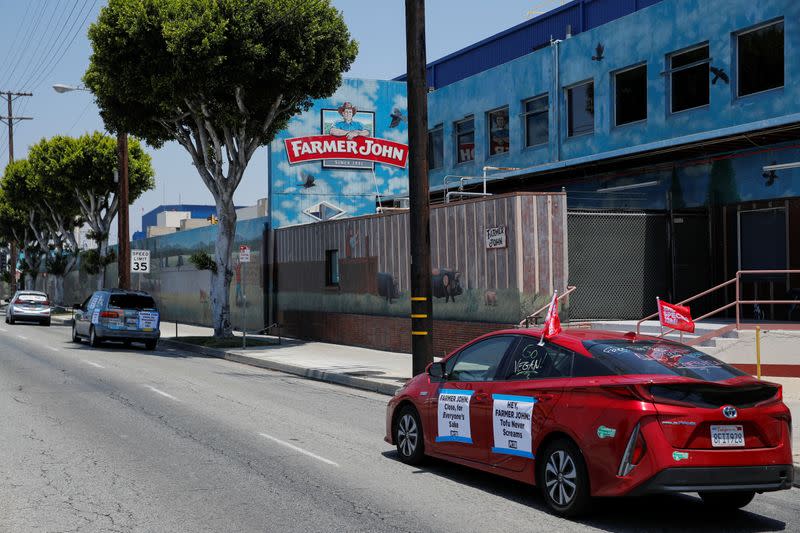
560	477
563	478
408	436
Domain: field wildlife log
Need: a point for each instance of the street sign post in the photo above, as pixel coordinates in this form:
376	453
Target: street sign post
244	258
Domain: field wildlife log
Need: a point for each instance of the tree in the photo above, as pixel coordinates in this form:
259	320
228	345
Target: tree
21	207
220	77
85	167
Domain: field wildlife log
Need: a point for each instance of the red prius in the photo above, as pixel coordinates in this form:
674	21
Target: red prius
595	413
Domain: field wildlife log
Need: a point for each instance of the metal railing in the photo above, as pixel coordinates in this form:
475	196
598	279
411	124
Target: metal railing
526	322
738	302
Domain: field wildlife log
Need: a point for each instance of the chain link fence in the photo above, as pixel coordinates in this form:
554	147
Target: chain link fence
619	263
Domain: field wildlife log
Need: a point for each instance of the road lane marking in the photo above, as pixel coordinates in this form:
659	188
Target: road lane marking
52	348
300	450
162	393
98	365
22	337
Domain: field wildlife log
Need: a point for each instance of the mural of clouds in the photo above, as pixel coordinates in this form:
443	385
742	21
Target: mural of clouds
296	187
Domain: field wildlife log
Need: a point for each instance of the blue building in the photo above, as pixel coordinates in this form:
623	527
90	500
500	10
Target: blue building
673	126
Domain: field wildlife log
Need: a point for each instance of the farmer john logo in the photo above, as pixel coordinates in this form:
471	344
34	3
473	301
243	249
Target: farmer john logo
347	141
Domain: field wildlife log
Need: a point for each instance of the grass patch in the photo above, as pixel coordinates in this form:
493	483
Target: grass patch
231	342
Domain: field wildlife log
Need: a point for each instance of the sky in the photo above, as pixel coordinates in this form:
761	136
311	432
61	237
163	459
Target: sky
44	42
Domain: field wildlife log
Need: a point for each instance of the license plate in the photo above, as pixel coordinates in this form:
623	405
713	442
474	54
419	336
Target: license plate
727	436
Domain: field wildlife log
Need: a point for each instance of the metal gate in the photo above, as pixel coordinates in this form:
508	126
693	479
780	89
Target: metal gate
619	263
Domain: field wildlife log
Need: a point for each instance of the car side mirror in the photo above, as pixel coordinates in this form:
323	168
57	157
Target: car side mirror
436	371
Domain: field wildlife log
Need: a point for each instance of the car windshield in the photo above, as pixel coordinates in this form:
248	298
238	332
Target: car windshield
32	297
659	357
131	301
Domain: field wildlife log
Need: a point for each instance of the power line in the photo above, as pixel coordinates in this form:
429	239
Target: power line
54	39
14	41
44	76
24	51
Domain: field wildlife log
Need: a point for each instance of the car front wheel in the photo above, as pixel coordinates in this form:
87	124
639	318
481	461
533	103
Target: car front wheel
563	478
727	500
408	436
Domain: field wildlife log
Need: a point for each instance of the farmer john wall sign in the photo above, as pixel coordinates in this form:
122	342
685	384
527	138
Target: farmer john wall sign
336	158
347	141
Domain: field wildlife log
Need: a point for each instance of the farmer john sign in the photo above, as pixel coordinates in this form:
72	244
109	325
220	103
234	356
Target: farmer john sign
347	142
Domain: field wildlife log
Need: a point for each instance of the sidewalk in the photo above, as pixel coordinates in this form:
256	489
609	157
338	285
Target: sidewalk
363	368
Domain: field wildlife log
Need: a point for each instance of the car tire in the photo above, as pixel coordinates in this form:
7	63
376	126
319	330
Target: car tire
731	500
563	478
46	322
150	345
11	320
408	436
94	340
75	336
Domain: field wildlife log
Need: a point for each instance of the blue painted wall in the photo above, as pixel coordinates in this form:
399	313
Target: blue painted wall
646	36
353	191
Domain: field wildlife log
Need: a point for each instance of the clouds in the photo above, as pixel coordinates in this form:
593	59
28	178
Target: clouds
361	93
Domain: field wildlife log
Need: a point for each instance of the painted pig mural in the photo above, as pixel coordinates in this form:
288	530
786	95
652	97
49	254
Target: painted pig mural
387	286
446	284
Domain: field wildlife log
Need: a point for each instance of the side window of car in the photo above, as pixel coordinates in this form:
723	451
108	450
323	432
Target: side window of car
479	361
584	367
531	361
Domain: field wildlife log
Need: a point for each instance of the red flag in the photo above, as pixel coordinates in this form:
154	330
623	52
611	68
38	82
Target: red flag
552	324
675	316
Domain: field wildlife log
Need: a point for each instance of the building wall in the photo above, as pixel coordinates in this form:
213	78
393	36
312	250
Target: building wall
471	283
297	187
646	36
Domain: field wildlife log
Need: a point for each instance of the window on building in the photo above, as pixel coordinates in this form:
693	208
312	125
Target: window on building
436	148
465	140
580	109
332	268
689	78
760	59
498	131
536	120
630	95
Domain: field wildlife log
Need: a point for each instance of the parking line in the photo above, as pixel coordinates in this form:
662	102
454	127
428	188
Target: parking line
98	365
300	450
162	393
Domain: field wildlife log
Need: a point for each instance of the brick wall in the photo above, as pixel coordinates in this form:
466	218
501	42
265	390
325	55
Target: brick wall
378	332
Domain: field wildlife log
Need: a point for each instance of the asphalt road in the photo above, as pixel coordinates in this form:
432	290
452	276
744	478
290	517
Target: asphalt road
117	439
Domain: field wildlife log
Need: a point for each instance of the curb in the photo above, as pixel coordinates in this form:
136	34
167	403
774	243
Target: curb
796	481
61	322
310	373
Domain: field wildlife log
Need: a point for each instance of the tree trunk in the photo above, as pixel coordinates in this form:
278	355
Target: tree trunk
221	281
102	248
58	290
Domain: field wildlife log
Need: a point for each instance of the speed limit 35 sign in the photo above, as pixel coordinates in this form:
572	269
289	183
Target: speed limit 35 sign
140	261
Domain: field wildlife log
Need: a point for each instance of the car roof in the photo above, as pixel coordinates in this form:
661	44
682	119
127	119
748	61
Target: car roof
32	292
573	338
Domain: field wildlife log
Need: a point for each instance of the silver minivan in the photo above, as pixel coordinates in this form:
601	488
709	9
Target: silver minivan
117	315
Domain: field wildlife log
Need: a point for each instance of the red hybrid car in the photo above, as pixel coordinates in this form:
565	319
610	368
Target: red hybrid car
595	413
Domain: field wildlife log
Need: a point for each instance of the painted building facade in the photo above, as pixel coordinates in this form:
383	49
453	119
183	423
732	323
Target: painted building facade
311	182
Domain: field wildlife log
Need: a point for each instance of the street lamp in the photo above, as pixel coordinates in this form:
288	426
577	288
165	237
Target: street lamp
123	270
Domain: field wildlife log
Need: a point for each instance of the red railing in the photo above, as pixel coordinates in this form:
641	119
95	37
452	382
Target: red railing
526	322
738	302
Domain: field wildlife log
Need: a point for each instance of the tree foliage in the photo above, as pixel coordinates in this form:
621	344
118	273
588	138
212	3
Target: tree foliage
220	77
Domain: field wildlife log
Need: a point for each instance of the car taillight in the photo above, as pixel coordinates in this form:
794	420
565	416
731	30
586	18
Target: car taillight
632	392
634	452
18	302
109	314
639	449
46	302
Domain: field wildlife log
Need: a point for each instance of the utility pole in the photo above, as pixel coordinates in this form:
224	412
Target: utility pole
9	121
123	236
421	305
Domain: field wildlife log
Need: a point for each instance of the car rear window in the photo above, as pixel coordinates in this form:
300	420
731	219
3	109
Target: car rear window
32	297
131	301
659	357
